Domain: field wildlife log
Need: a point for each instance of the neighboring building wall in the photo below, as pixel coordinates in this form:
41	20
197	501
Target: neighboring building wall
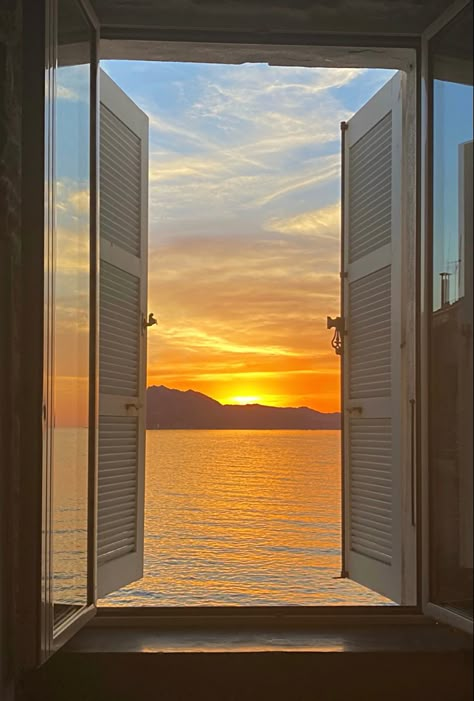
10	251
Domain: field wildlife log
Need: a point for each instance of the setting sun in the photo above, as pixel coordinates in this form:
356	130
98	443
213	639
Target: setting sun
244	400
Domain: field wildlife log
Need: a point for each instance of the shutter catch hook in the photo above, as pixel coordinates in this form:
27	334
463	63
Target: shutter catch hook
151	321
338	325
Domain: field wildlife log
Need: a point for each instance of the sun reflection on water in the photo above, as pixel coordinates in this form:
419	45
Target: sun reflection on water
242	518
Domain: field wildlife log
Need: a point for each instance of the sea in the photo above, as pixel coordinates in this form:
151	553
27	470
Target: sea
242	518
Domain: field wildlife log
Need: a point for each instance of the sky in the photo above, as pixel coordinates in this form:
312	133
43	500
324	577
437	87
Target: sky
244	225
71	247
452	124
243	269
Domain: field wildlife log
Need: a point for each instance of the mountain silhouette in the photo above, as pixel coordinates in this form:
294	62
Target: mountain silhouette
172	409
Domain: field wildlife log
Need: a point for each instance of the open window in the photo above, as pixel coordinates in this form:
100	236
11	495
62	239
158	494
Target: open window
379	528
378	432
380	519
378	524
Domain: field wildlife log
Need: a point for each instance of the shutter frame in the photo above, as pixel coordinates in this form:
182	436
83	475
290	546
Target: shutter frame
123	217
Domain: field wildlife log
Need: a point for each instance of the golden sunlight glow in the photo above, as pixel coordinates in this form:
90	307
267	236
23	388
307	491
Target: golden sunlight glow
244	400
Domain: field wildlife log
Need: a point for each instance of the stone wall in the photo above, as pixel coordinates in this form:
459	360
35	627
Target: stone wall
10	251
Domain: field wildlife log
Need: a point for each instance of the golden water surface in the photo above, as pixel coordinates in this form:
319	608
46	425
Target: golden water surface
242	518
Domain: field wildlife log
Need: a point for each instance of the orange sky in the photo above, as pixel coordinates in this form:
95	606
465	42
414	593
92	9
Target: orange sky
245	316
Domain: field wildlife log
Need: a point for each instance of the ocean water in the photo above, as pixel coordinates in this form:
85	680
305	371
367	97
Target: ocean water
242	518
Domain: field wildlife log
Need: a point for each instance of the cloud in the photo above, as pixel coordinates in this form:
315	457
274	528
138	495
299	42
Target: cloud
324	174
245	137
73	83
318	222
80	201
65	93
242	307
197	339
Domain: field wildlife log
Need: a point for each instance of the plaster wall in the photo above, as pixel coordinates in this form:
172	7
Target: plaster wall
408	17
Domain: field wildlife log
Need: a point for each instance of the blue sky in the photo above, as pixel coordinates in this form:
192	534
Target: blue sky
453	114
244	223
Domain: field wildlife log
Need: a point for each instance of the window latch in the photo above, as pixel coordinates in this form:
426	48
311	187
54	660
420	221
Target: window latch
338	325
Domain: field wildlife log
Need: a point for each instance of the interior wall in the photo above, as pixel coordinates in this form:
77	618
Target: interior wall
10	251
338	53
263	17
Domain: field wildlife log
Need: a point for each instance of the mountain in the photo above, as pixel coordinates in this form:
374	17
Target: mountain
171	408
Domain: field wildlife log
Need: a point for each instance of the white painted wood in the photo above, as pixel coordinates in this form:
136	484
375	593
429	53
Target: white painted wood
122	339
378	527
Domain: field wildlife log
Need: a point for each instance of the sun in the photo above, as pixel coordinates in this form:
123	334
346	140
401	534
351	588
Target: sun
244	400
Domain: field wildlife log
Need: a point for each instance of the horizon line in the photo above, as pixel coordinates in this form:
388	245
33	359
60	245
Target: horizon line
270	406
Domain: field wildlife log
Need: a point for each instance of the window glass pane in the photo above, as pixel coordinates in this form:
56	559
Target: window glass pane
451	320
71	313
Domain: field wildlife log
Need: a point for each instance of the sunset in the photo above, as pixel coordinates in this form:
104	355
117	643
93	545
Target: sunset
244	225
244	230
239	420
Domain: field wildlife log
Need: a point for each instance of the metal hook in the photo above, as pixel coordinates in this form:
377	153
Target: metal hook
337	325
151	321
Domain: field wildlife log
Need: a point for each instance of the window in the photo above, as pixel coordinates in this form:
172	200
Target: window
68	406
378	528
377	311
70	315
377	521
451	459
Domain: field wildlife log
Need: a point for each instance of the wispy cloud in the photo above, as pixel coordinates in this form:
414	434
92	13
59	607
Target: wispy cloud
318	223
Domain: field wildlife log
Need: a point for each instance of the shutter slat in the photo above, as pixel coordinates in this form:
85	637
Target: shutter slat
118	437
120	331
370	167
369	336
371	490
120	182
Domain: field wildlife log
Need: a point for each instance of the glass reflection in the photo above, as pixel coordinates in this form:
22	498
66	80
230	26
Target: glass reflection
451	321
71	313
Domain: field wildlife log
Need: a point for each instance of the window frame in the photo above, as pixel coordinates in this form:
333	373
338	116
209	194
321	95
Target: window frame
154	615
440	613
74	622
29	610
34	638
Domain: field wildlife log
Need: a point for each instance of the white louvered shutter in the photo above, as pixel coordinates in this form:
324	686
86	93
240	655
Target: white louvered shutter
123	181
374	504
